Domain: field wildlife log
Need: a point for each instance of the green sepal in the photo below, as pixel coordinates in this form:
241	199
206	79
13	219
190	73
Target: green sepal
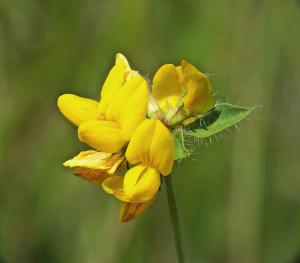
181	151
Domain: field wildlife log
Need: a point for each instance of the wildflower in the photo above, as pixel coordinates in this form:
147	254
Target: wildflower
151	150
108	125
117	129
179	93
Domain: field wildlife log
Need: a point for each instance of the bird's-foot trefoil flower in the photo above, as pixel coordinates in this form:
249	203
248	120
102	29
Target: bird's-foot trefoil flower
179	93
151	151
108	125
137	130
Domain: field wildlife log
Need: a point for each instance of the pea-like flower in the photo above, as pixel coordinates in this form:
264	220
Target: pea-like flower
109	124
151	150
179	93
106	125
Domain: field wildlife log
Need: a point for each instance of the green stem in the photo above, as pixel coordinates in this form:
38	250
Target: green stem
174	217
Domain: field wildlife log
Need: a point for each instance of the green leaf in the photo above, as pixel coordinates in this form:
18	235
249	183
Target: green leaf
220	118
180	151
223	116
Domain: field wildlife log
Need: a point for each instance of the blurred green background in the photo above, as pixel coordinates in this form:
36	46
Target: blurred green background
239	199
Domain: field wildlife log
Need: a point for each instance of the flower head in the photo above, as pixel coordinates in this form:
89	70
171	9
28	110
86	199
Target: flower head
118	130
135	151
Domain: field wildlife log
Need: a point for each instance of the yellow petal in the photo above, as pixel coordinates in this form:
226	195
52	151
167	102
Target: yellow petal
77	109
129	73
118	75
114	186
166	87
122	60
152	145
129	106
141	183
129	211
97	160
103	136
179	74
115	79
198	97
92	175
89	159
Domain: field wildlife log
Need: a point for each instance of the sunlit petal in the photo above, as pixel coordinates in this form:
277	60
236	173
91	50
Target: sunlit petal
179	74
77	109
117	77
198	97
141	183
114	186
166	87
129	106
152	144
129	73
104	136
96	160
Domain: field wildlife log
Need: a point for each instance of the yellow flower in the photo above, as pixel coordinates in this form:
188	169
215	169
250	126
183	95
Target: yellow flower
151	150
116	128
180	92
109	124
95	166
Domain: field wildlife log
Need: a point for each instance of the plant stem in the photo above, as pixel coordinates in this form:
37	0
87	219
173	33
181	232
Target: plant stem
174	216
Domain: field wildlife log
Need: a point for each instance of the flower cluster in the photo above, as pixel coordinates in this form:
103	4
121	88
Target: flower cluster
130	129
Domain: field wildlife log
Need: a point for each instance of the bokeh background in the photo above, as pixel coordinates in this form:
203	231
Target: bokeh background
239	199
